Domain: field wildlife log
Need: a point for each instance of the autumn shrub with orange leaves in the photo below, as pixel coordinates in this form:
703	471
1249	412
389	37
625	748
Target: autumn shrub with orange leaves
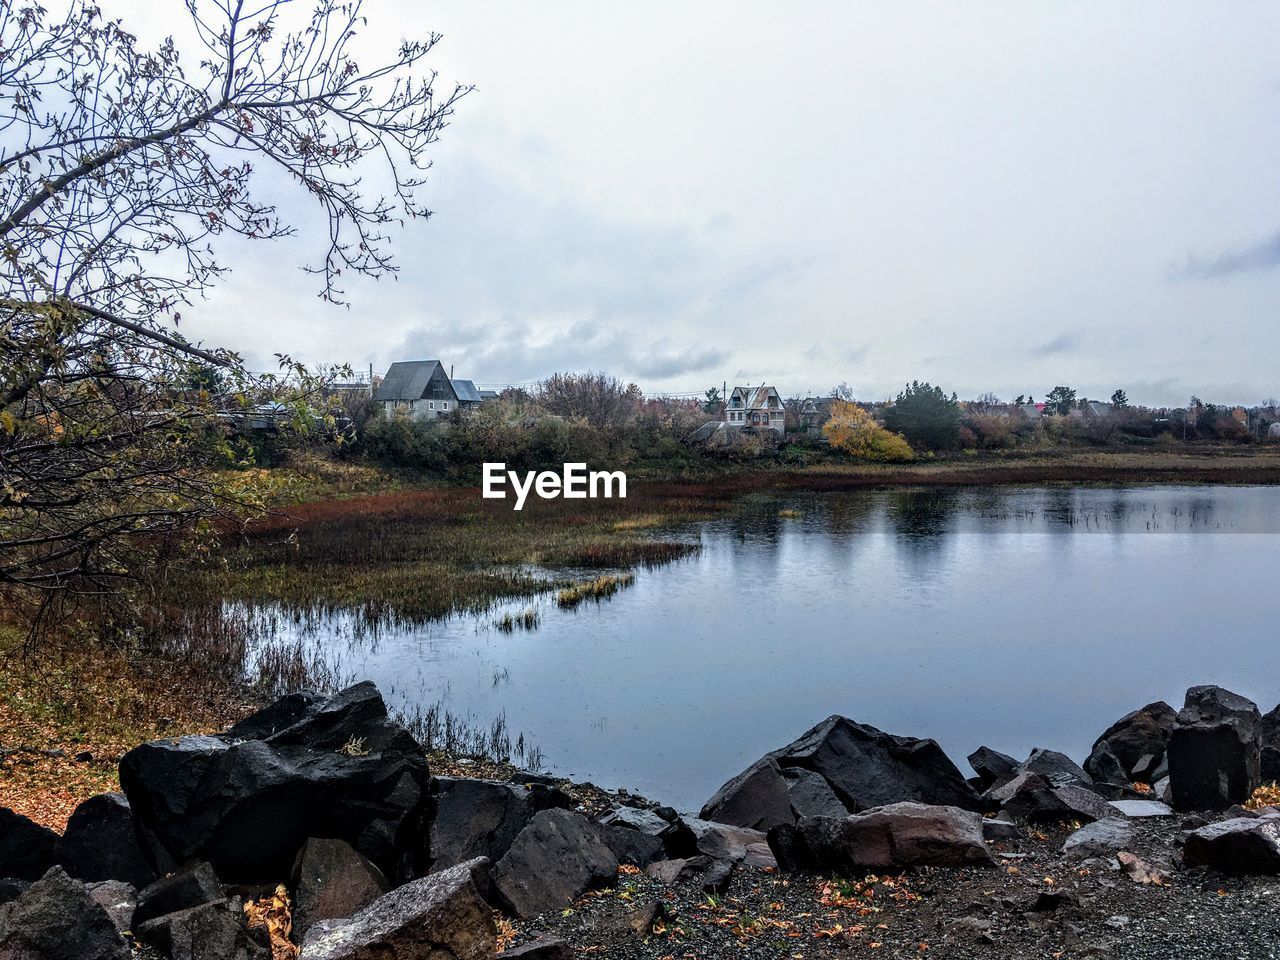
854	431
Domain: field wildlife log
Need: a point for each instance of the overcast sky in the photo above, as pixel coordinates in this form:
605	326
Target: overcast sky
989	196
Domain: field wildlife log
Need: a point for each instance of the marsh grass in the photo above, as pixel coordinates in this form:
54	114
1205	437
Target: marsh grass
601	588
527	619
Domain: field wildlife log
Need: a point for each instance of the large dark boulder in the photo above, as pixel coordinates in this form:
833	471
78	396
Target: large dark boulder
992	766
57	919
438	916
635	836
839	765
1137	742
557	857
118	898
211	931
1214	751
1270	759
101	843
885	838
337	767
26	848
1242	845
331	881
480	818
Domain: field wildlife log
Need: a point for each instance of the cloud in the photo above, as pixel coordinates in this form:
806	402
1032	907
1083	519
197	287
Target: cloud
519	351
1248	258
1062	343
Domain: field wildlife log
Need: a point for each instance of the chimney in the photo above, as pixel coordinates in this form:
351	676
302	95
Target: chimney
451	371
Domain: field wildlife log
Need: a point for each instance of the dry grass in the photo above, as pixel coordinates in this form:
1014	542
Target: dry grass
600	588
84	705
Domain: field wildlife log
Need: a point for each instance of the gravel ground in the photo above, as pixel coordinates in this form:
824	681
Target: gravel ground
1035	904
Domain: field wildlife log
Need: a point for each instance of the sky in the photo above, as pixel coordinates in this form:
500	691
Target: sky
989	196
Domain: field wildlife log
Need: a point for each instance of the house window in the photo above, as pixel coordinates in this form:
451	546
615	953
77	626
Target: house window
431	404
444	404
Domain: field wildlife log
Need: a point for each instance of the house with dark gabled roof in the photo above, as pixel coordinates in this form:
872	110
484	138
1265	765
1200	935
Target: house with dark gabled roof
417	388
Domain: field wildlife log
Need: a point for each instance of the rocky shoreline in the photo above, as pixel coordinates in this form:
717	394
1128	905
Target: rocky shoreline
314	828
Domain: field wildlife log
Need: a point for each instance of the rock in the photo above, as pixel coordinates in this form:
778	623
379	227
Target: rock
480	818
631	846
642	919
1214	750
992	766
896	835
1142	808
1103	766
118	898
1137	741
332	768
550	949
12	888
1029	796
101	843
280	715
441	916
26	848
210	931
1269	765
557	857
191	886
673	871
1240	846
1055	767
994	830
863	768
331	881
1102	838
57	919
723	842
1141	871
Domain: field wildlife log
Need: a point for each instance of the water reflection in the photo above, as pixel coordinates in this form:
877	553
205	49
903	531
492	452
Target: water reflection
1015	617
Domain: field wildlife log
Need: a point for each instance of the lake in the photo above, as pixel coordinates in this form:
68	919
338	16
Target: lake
1009	617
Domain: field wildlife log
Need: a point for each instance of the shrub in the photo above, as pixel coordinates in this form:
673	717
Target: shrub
852	430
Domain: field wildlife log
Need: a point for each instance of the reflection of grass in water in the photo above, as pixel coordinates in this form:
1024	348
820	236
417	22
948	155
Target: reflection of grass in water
789	514
527	620
598	589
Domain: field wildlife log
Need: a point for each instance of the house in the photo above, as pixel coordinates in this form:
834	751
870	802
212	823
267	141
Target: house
815	411
417	388
469	398
755	408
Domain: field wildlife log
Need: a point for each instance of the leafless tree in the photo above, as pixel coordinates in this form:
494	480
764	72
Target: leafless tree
122	172
598	398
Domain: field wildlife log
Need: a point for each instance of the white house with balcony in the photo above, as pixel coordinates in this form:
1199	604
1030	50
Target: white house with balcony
755	408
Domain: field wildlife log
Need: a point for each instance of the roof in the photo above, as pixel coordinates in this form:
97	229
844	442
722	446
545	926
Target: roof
754	396
406	380
466	391
489	394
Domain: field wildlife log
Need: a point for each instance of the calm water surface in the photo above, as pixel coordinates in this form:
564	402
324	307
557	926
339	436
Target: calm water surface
1014	618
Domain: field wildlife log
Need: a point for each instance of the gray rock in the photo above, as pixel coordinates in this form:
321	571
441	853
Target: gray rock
1137	741
1270	757
1142	808
673	871
556	858
992	766
101	843
1029	796
1240	846
888	837
1057	768
1214	750
118	898
441	916
549	949
480	818
1102	838
210	931
332	881
11	889
1103	766
863	767
26	848
191	886
57	919
993	830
